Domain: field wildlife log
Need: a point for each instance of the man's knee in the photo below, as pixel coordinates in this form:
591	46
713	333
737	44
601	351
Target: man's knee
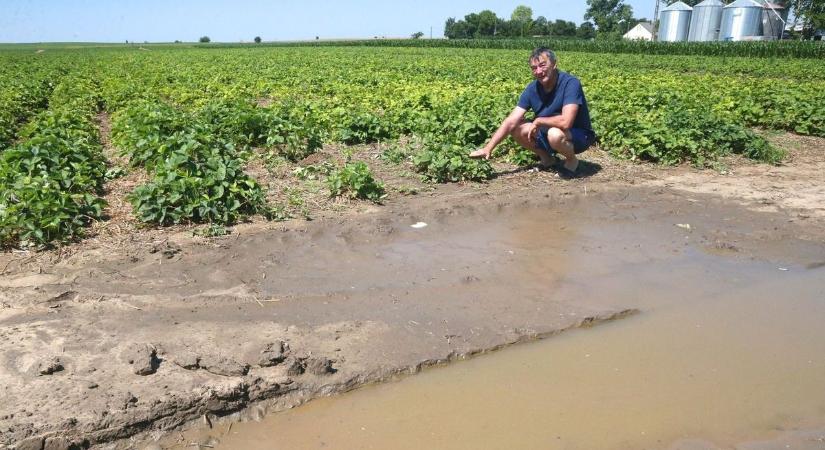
518	130
555	136
519	133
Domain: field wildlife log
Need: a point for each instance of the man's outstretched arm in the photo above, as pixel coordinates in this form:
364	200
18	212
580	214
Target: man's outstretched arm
506	127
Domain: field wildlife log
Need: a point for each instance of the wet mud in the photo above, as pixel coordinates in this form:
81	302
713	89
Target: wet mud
733	358
113	344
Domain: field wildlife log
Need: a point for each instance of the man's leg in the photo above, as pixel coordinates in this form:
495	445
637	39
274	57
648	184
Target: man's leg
562	142
520	134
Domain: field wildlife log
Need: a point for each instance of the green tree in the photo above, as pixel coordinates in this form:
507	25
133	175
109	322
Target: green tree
522	14
204	39
522	19
540	26
504	28
449	28
562	28
257	39
454	29
586	31
811	13
609	16
417	35
486	24
482	24
471	24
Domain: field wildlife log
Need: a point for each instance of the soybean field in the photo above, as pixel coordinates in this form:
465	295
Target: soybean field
193	118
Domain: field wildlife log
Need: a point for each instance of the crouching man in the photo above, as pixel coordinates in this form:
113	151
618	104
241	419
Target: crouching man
562	120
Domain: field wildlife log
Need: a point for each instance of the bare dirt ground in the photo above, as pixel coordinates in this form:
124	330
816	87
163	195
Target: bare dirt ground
796	186
136	331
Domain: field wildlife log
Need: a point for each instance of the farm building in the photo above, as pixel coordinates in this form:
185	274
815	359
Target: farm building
643	31
798	26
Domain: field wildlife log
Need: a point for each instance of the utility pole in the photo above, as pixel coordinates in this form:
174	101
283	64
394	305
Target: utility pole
656	21
431	32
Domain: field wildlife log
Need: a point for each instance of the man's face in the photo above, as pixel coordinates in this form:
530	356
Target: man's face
542	68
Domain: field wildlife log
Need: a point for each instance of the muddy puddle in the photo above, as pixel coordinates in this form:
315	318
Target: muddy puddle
728	350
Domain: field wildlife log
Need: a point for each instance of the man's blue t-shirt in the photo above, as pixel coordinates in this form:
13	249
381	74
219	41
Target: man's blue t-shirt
568	91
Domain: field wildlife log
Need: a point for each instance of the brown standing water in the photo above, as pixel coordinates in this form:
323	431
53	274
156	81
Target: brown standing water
728	350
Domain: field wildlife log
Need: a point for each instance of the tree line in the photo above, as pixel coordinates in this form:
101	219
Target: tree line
603	19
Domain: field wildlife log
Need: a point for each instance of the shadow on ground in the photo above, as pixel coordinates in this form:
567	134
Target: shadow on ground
586	169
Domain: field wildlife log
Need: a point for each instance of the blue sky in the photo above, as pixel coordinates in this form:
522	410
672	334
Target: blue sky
233	21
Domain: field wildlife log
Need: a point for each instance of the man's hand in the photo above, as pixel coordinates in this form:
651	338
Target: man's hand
481	153
532	132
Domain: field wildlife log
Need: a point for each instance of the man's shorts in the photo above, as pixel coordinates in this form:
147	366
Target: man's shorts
582	139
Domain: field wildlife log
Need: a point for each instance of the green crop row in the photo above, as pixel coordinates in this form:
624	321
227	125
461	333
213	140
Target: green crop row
769	49
652	119
197	174
19	101
459	97
50	181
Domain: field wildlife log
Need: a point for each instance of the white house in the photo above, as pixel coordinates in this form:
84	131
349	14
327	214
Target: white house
798	25
643	31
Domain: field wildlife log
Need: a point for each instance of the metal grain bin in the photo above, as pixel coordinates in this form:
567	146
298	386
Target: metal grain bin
774	17
741	20
674	22
705	21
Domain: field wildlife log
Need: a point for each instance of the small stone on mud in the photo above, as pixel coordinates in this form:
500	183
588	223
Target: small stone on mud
295	367
142	357
187	360
129	400
168	250
62	443
35	443
220	365
272	354
91	385
59	443
319	366
49	366
66	296
71	422
260	389
721	245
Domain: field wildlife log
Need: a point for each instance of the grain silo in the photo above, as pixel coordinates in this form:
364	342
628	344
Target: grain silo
741	20
706	21
774	17
674	22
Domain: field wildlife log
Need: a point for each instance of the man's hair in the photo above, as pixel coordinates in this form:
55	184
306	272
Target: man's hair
543	51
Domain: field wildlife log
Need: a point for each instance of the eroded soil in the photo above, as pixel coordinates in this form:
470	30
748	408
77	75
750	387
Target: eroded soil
139	331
